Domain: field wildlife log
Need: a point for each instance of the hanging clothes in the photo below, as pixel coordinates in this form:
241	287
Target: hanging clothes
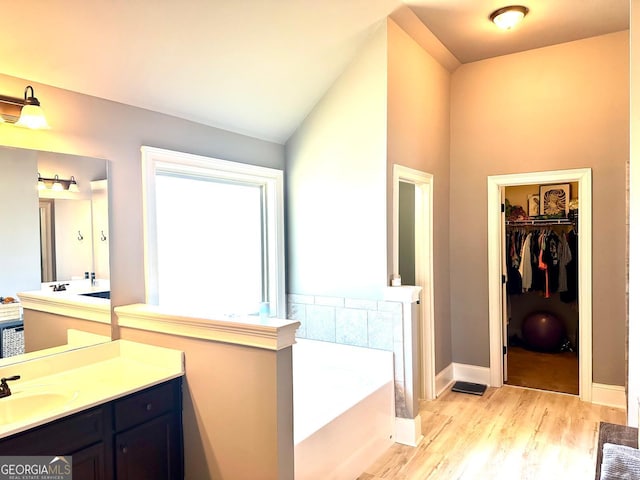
571	294
551	260
540	260
564	257
525	269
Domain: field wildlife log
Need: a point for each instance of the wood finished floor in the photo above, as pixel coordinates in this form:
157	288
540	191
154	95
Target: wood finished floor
547	371
509	433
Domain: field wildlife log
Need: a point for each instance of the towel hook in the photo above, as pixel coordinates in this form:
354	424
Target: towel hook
80	237
103	237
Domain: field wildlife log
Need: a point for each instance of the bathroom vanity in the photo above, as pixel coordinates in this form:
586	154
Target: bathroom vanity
116	409
135	437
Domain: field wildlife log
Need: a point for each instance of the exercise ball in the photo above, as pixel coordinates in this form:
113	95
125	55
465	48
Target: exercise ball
543	331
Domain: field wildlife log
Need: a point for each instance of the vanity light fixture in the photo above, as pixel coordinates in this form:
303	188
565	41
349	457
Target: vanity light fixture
23	112
508	17
73	185
58	184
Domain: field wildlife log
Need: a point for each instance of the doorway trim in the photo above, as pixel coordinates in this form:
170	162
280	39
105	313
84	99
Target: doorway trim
495	231
424	265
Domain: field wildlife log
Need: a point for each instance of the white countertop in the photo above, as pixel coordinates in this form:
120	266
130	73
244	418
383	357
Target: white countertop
89	376
69	303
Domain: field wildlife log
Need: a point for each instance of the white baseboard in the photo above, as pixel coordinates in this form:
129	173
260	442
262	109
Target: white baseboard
608	395
461	372
444	379
471	373
601	394
409	431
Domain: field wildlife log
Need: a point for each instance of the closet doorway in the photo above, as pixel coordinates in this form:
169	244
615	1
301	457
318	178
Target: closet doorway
541	269
503	323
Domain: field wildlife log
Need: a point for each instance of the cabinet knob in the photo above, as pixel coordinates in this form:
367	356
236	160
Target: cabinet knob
148	407
124	449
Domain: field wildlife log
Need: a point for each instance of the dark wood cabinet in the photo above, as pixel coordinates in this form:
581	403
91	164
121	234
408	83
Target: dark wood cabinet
135	437
149	451
91	462
148	442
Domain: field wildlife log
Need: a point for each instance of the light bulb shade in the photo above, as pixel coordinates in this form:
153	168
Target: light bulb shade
32	117
57	186
73	185
41	184
508	17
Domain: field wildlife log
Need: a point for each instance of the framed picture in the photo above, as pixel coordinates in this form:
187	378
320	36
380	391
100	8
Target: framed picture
534	205
554	200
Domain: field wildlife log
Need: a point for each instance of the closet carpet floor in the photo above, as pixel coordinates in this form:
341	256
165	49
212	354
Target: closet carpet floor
557	372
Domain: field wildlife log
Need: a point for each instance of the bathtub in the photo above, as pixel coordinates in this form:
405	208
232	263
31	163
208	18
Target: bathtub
343	409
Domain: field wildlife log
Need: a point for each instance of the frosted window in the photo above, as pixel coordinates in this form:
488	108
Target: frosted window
211	245
214	235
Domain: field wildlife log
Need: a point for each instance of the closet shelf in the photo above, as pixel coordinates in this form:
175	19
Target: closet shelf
541	221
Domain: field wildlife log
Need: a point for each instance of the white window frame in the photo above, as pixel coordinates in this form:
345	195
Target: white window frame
156	160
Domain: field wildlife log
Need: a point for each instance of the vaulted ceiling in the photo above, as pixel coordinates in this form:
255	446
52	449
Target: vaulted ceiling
255	67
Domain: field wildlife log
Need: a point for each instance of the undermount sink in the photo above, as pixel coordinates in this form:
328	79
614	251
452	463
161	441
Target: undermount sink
106	294
34	401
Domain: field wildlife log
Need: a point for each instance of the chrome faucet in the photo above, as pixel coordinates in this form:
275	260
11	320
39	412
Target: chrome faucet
5	391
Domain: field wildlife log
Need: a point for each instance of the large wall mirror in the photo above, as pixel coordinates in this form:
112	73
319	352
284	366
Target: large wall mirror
52	236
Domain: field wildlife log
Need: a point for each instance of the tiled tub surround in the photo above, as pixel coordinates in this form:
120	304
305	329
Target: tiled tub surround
363	323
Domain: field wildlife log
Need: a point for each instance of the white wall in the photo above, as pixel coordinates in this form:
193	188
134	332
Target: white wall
73	256
336	185
634	223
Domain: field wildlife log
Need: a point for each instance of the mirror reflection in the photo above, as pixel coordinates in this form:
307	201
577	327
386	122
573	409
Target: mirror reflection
54	249
74	242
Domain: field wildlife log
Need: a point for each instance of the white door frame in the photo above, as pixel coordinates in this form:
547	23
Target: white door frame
496	231
424	265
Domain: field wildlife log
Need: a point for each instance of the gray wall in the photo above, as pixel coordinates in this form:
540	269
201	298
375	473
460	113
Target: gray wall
20	230
560	107
93	127
418	125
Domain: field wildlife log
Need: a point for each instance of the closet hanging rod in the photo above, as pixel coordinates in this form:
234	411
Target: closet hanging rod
542	222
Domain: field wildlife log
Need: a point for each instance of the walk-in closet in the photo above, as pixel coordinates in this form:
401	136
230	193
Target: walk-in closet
541	265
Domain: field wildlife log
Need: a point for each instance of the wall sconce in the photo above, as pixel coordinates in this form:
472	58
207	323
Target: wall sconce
58	184
508	17
23	112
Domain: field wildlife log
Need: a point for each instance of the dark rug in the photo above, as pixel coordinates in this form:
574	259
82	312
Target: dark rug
617	434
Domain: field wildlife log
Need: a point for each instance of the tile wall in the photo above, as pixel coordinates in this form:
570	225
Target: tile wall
349	321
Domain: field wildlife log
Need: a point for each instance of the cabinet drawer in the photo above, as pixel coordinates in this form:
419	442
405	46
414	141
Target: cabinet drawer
142	406
61	437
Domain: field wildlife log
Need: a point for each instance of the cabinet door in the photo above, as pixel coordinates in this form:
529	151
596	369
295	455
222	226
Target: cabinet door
151	451
90	463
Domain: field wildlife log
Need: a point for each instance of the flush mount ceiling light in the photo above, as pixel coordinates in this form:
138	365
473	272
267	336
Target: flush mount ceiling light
23	112
508	17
